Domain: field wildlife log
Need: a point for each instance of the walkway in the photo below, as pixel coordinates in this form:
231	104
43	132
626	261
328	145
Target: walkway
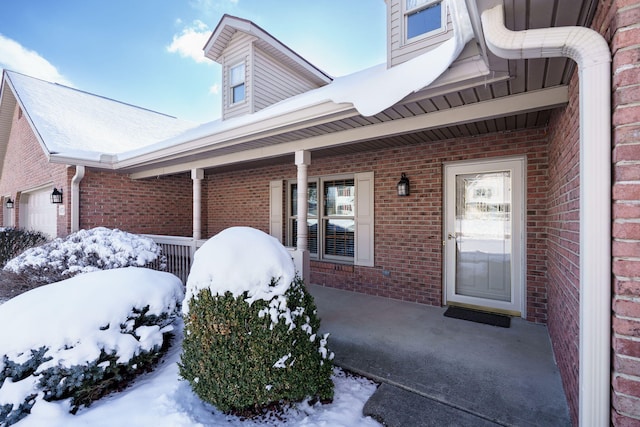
438	371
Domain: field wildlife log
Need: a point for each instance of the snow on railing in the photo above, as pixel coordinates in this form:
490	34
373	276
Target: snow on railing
179	253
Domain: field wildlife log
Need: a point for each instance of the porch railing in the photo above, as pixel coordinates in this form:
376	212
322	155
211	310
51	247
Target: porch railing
179	252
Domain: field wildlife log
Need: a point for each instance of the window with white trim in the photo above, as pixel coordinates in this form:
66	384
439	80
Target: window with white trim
237	83
422	17
330	219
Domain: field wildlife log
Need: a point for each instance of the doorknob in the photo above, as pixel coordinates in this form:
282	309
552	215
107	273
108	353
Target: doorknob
451	236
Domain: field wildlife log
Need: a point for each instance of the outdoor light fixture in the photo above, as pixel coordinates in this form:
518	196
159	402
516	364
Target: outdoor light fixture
403	185
56	196
9	203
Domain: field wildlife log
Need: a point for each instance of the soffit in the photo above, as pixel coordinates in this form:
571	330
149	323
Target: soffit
524	76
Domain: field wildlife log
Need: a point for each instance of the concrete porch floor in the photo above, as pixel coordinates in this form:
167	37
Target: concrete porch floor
438	371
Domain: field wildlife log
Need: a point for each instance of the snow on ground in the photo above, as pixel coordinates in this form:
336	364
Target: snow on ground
160	398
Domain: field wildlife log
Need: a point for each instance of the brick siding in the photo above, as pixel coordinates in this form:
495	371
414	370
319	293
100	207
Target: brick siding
619	21
26	167
408	236
161	205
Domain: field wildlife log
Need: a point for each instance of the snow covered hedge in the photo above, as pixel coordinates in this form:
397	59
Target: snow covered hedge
83	337
82	252
251	327
15	240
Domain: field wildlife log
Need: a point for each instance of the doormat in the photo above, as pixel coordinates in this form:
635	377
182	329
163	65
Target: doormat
478	316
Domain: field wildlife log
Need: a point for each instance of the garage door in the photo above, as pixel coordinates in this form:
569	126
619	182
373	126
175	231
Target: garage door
38	213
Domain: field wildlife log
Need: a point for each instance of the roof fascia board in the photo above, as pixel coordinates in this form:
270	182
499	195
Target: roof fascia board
514	104
466	74
314	115
26	115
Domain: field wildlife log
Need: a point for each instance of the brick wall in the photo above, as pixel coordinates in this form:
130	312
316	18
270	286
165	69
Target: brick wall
563	256
161	205
408	239
619	22
26	167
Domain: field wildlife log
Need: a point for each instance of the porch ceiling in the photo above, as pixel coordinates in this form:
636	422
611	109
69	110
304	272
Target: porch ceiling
523	98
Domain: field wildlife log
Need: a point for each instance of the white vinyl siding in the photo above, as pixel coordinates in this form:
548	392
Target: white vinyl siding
238	52
274	81
399	48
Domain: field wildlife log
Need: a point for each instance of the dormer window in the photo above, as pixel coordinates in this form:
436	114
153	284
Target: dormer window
423	17
237	79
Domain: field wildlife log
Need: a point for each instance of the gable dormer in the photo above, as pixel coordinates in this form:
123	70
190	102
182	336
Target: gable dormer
257	69
415	26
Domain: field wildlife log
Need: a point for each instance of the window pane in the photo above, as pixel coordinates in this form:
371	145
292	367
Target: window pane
339	237
312	192
339	198
425	20
237	75
312	236
238	93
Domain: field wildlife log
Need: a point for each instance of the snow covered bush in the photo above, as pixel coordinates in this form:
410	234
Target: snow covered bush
251	328
82	252
81	338
15	240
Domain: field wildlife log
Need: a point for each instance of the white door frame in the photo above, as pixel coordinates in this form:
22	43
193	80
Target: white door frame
518	167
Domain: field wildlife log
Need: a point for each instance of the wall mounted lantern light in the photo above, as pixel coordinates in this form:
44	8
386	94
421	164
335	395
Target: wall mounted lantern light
56	196
403	185
9	203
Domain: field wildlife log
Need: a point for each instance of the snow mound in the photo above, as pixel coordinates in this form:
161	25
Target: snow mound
238	260
85	251
77	321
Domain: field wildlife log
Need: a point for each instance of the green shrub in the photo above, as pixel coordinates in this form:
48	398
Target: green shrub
85	251
242	358
13	241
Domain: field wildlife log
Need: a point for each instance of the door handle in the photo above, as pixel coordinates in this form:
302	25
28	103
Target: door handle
451	236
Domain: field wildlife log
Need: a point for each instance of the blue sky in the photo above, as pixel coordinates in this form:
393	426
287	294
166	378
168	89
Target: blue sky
149	52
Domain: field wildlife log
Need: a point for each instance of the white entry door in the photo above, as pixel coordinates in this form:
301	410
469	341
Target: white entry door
483	235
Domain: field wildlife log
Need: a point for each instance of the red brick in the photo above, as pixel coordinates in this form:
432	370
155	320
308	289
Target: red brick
627	327
626	230
628	288
626	152
626	365
629	386
626	249
629	406
627	308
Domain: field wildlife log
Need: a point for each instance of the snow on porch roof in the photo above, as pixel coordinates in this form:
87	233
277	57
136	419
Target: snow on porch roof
369	91
83	126
77	127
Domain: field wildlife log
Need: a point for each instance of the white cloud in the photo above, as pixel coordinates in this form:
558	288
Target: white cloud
215	89
15	57
190	42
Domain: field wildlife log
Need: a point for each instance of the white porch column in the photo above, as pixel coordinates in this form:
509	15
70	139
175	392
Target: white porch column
197	175
301	255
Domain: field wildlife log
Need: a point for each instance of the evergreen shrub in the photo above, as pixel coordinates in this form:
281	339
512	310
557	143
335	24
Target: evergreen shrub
85	251
13	241
244	357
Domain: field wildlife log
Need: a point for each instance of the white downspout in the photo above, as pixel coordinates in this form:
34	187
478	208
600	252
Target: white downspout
75	198
591	53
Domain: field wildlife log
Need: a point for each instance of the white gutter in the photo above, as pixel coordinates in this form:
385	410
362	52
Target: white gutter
75	198
591	53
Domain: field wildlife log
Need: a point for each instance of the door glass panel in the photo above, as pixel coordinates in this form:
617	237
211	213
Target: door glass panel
483	235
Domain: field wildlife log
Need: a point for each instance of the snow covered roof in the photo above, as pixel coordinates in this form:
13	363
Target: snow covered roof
80	125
